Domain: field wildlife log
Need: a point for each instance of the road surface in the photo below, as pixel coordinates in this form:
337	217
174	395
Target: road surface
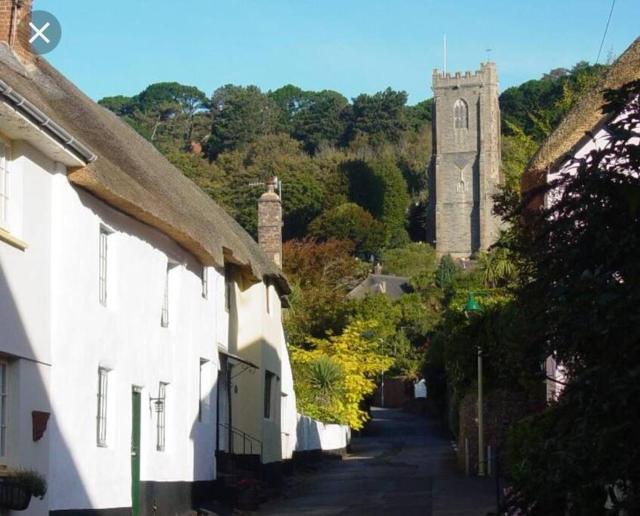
405	465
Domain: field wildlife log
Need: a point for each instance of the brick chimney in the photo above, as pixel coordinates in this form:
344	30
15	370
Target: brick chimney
270	222
14	26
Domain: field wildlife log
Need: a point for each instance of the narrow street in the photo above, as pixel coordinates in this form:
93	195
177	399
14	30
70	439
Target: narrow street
404	465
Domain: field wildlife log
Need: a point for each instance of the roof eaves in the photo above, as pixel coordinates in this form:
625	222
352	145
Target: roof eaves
34	114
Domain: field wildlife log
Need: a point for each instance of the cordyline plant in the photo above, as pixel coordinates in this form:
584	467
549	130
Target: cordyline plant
580	286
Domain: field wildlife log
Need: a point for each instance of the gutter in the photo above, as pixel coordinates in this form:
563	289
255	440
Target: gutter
42	120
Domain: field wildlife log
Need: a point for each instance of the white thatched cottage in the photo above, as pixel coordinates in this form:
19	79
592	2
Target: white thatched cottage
124	291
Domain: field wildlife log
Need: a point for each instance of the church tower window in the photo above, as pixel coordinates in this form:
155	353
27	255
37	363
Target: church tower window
460	115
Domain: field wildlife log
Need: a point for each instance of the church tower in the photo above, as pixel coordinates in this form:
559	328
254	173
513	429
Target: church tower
465	171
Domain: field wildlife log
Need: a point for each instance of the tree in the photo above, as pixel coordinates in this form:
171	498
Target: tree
517	149
119	104
319	119
350	222
357	353
412	260
188	99
381	116
537	106
378	186
420	115
289	99
321	273
240	115
246	169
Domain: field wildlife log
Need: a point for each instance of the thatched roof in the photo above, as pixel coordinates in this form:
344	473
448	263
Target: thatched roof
584	117
132	176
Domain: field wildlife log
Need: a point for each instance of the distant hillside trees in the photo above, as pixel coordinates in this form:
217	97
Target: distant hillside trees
166	113
239	116
372	151
532	110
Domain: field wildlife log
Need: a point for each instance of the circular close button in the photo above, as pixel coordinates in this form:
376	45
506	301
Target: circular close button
45	32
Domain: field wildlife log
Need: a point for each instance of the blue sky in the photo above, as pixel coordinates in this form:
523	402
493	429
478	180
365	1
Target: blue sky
112	47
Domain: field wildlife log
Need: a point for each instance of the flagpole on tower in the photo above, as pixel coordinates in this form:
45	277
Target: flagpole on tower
444	38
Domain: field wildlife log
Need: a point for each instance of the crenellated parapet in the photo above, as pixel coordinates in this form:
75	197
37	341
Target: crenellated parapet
486	75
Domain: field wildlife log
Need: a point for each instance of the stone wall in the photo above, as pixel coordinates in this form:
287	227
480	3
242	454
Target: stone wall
501	409
270	223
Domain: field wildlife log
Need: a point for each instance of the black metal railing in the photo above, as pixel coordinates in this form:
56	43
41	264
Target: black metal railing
249	443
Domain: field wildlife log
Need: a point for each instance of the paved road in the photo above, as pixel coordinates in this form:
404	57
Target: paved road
404	466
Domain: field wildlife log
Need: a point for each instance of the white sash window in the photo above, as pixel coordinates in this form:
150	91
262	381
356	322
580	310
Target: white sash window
101	419
4	185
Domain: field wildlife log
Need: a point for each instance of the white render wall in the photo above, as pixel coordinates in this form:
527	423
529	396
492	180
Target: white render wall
126	337
56	335
313	435
25	322
51	315
258	337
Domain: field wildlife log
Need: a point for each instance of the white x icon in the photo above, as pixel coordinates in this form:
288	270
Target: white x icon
39	33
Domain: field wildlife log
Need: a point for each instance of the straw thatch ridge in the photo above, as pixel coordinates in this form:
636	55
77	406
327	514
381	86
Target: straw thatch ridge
131	175
583	118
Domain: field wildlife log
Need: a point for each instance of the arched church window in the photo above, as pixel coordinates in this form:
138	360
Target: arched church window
460	114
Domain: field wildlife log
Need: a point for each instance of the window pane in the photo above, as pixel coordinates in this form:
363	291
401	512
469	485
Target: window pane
161	410
103	266
4	185
205	282
268	380
102	407
165	302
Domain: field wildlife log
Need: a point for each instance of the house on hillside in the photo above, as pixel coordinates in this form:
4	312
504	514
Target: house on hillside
377	283
130	306
584	129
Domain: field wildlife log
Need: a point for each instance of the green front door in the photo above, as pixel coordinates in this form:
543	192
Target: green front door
135	452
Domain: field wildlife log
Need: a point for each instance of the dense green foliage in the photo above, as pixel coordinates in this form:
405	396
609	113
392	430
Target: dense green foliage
580	288
532	110
350	222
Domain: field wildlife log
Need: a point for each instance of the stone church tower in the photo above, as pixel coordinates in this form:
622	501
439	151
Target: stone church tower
465	170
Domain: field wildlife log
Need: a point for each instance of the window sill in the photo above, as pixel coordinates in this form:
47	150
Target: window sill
8	238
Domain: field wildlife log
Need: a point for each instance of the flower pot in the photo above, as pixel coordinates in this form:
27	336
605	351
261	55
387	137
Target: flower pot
14	496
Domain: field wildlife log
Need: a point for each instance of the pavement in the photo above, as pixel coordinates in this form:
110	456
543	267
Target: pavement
404	465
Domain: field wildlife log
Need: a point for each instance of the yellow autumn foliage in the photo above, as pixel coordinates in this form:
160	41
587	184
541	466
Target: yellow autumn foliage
354	359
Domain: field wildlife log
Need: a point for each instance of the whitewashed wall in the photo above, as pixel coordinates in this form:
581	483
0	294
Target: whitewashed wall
257	336
25	317
289	415
57	335
314	435
126	336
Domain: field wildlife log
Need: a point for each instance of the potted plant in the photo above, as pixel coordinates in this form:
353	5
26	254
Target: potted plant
17	488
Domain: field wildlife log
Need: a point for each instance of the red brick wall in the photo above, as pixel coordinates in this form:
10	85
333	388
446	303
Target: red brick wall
397	392
16	35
